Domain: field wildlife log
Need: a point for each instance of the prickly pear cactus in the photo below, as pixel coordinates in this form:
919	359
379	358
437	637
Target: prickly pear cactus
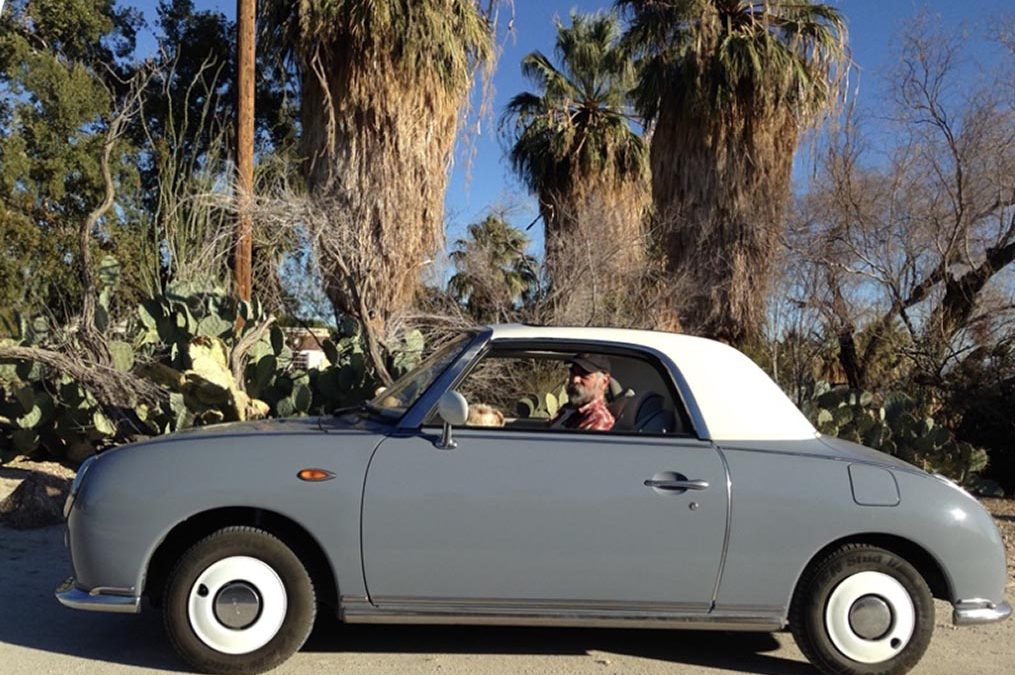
209	391
896	426
181	341
541	406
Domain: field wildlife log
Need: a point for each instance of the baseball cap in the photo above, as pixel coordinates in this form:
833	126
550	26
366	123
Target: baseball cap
591	363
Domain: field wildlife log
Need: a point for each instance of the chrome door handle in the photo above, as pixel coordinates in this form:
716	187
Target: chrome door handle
677	484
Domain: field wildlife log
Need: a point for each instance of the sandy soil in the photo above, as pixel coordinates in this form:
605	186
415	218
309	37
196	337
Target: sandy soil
12	473
38	635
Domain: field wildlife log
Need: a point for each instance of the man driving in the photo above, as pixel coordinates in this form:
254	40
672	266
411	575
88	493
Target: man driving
587	383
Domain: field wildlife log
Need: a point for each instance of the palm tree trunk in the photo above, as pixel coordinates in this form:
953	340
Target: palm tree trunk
596	247
720	191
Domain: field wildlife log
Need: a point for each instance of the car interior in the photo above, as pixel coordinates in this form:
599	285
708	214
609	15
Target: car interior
524	390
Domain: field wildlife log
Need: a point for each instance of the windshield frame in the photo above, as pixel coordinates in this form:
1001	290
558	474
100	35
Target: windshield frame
451	352
413	418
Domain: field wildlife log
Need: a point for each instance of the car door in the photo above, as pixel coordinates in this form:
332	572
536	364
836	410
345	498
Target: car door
519	518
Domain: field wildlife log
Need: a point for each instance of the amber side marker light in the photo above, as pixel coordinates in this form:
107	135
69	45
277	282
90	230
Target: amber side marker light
315	475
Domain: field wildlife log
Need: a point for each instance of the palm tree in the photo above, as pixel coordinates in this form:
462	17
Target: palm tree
728	86
383	87
493	271
578	151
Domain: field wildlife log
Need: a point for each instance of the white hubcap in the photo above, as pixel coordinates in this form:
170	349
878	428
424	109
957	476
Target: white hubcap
870	617
257	585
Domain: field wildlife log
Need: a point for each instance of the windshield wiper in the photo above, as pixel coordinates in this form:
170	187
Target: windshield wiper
345	410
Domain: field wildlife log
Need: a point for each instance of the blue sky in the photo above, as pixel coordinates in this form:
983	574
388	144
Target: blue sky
482	177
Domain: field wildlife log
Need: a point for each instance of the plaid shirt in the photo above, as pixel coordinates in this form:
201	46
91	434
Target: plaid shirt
594	416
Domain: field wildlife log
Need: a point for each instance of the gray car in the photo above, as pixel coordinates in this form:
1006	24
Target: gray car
458	496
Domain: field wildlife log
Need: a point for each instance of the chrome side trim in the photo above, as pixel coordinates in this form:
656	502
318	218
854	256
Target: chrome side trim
494	604
563	613
101	599
978	610
729	525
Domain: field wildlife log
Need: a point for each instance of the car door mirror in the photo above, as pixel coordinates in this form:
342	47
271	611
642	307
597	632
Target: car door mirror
454	411
453	408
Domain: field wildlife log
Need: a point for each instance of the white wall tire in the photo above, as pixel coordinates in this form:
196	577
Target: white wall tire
239	601
862	610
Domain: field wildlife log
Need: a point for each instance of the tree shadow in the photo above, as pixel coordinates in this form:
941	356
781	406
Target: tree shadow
34	562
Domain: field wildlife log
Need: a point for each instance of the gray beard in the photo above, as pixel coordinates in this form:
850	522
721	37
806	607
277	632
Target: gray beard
579	396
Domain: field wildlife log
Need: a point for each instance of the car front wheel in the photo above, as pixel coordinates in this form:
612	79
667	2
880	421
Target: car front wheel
862	610
239	601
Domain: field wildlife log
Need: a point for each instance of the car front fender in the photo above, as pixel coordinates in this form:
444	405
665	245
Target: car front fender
133	497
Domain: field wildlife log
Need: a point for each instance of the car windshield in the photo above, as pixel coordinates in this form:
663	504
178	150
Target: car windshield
396	399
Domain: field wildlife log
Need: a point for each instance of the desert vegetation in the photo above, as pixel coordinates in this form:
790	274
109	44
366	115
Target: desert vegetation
698	166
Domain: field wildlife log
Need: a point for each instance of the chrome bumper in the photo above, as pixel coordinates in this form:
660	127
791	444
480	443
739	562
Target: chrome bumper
118	600
972	612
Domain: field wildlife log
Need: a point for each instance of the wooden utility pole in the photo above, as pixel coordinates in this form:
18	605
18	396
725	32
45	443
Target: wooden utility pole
244	146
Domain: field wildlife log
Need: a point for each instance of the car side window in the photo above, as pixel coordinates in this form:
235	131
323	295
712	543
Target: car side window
537	390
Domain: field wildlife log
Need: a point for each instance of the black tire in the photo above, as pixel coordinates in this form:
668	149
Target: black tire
225	554
816	617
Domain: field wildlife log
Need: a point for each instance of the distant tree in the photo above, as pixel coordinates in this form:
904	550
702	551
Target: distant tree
577	147
62	65
493	272
728	86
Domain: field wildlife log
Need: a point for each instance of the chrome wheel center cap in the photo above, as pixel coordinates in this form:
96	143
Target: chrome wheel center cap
870	617
237	605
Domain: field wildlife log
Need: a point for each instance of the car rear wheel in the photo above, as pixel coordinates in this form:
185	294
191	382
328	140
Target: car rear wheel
862	610
239	601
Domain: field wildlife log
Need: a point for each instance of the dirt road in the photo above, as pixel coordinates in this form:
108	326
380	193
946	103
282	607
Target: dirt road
38	636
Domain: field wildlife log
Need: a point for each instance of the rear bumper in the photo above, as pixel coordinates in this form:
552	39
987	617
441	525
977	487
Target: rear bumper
117	600
972	612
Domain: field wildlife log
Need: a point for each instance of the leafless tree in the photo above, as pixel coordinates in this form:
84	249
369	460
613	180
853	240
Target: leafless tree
909	252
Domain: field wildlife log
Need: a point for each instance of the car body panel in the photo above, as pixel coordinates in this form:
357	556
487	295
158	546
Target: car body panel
559	517
788	506
133	497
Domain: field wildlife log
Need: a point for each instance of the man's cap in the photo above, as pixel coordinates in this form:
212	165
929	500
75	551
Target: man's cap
591	363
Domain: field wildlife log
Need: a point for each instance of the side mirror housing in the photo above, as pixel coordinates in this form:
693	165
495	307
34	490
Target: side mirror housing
454	410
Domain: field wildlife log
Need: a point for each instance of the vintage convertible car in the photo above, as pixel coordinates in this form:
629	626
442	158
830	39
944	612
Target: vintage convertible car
712	503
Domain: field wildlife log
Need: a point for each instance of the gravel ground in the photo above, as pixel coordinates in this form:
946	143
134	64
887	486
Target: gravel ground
1003	511
38	636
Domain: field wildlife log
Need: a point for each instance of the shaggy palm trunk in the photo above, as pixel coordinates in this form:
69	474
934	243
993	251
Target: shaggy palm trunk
595	247
379	146
720	188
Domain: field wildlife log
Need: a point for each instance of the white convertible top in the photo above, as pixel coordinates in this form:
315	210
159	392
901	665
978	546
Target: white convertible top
736	399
